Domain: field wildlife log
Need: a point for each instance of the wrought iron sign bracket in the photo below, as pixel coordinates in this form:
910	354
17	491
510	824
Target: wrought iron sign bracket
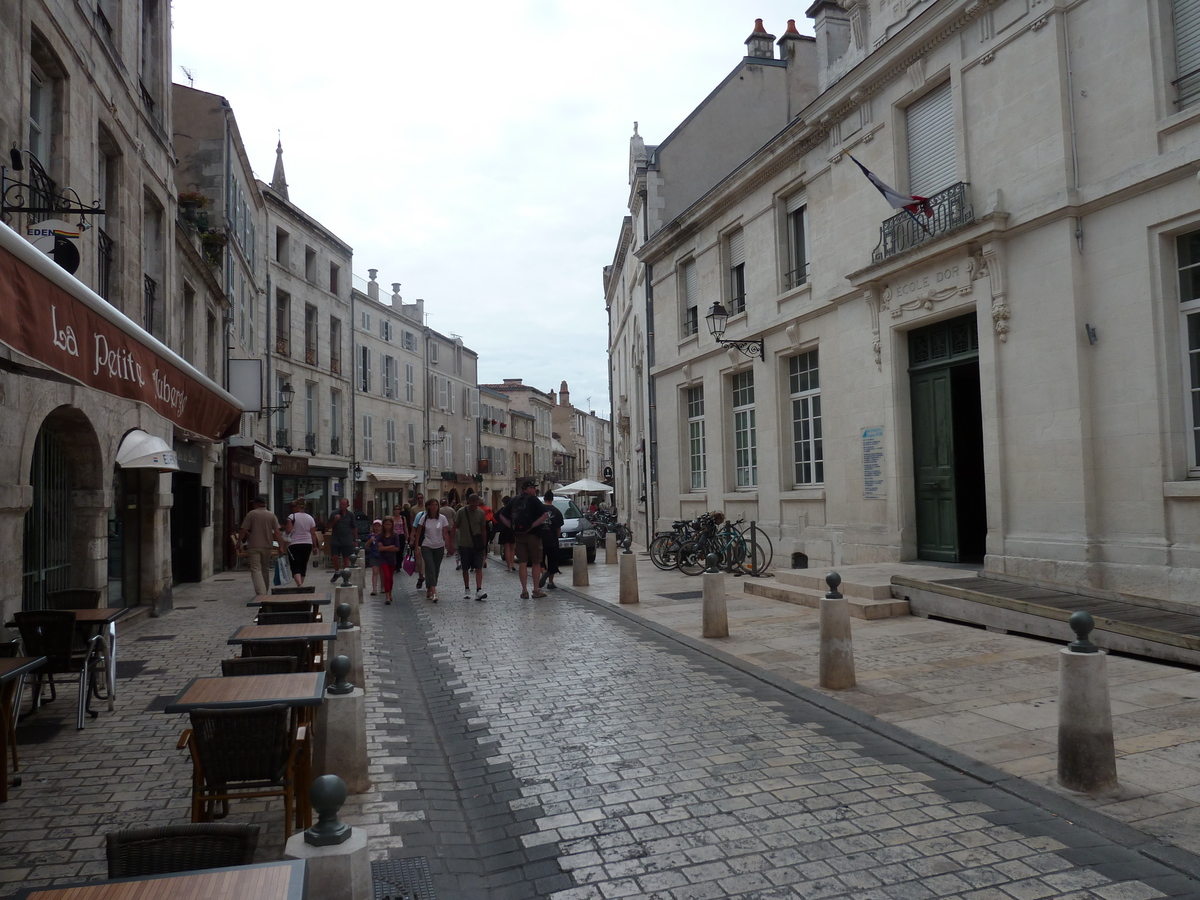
749	348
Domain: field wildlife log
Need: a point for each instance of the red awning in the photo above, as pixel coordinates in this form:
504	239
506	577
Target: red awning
52	317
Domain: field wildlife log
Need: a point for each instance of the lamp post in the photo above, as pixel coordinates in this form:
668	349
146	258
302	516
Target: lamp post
288	393
716	319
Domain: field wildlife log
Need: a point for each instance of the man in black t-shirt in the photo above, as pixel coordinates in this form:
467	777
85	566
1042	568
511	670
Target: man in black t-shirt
525	515
550	535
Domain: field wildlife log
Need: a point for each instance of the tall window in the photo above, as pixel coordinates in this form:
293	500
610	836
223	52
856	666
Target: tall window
449	445
468	454
282	251
410	382
435	450
390	429
335	277
796	211
931	162
412	444
805	386
408	341
745	432
1186	14
310	264
283	323
690	297
281	415
335	422
1188	251
310	417
364	369
367	427
697	448
41	107
310	334
389	376
335	345
737	272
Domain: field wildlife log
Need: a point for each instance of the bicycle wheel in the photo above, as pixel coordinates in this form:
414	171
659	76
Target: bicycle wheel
691	557
767	552
734	552
664	551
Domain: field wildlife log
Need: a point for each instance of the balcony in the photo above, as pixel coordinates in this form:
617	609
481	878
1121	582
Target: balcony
310	355
282	346
335	365
903	232
310	442
282	436
335	445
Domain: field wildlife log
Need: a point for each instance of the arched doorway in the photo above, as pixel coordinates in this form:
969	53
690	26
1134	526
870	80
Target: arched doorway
64	466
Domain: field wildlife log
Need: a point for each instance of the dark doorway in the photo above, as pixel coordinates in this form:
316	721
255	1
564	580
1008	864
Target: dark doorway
186	526
948	441
125	540
47	537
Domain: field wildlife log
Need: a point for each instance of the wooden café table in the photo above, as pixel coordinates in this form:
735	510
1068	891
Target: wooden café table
12	670
295	689
266	601
312	633
283	880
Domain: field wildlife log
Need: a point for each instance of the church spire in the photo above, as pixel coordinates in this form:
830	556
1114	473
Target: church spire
279	180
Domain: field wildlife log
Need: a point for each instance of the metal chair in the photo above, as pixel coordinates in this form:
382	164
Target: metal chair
51	633
179	848
245	753
259	665
11	650
241	555
298	606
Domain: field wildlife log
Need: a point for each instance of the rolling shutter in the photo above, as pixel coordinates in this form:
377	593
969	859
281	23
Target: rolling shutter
1187	50
931	162
737	248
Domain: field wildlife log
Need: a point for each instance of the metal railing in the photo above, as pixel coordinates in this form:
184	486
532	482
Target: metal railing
282	437
282	346
335	445
149	297
795	277
147	99
310	355
310	442
335	365
104	263
902	232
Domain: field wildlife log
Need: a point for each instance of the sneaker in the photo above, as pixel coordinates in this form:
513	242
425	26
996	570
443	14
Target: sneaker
434	597
466	595
374	593
481	595
524	595
545	577
334	578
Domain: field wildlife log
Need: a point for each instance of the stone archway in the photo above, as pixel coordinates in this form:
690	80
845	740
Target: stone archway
68	509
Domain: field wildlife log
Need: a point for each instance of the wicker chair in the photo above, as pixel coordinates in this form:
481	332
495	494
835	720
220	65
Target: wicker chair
272	617
74	598
300	650
179	848
241	556
11	650
299	606
51	633
245	753
259	665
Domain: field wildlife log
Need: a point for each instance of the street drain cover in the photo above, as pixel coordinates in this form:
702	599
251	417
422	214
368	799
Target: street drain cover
684	595
402	879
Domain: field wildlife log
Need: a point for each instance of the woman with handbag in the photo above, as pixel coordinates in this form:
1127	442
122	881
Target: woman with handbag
300	528
435	537
389	548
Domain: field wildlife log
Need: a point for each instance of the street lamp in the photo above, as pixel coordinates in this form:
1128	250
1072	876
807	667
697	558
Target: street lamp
441	432
288	393
716	319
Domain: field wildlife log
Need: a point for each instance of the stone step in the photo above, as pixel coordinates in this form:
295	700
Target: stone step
860	607
873	588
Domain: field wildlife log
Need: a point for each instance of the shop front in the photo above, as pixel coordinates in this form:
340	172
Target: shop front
319	487
388	488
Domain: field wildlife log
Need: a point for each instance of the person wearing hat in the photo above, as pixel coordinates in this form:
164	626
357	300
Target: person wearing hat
261	527
525	515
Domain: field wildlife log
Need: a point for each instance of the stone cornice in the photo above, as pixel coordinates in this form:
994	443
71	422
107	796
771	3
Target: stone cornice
619	257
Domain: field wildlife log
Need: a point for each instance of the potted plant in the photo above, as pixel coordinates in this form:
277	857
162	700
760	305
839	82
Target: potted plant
213	242
189	202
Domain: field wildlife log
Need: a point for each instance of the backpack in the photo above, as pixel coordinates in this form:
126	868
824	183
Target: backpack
526	511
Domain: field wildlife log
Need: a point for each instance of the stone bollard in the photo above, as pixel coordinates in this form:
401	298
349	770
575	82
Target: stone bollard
1087	760
716	618
349	594
610	549
340	741
837	650
579	569
337	861
349	643
627	576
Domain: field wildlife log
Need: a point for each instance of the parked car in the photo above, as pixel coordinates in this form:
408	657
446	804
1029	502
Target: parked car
576	529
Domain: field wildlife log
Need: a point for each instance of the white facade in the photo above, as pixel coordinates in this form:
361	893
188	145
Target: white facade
452	372
1014	386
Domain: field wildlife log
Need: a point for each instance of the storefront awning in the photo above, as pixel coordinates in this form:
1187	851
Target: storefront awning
395	476
140	450
51	317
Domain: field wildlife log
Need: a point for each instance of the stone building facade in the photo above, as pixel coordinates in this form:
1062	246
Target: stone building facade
1004	377
538	405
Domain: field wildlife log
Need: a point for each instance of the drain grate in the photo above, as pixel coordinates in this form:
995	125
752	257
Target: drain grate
402	879
35	732
158	637
178	608
224	579
684	595
129	668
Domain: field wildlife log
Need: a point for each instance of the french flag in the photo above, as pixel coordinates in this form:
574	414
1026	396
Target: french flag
910	204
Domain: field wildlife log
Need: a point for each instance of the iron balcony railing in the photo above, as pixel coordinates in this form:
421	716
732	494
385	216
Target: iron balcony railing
902	232
335	445
795	277
335	365
282	346
149	291
104	252
281	438
310	355
310	442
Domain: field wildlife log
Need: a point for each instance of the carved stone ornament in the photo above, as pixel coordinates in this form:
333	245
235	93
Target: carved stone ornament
793	334
992	254
686	371
916	75
871	295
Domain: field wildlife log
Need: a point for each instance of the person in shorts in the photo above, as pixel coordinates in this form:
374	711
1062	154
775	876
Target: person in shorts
470	531
525	515
550	534
343	539
506	537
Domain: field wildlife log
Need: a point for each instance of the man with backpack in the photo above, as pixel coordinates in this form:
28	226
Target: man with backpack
525	515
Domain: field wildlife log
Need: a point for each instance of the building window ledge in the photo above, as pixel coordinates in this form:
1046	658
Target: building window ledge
803	493
802	290
1182	490
745	496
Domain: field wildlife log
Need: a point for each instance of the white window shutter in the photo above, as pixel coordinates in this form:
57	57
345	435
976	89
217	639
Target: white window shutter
691	288
1187	50
931	161
737	248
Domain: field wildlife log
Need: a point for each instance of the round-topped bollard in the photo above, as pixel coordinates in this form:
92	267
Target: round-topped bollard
714	564
834	580
837	648
343	614
327	794
1087	759
1082	624
340	668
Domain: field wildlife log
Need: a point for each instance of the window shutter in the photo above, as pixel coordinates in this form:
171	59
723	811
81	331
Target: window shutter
797	201
690	284
737	248
931	163
1187	50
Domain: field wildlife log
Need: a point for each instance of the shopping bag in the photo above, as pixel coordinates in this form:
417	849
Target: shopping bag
409	565
285	568
278	574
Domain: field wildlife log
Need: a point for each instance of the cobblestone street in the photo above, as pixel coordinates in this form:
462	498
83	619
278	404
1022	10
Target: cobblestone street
558	748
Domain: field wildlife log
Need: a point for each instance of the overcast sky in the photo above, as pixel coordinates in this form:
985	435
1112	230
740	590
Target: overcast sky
476	153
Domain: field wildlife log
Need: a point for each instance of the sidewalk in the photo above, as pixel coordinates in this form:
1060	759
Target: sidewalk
991	697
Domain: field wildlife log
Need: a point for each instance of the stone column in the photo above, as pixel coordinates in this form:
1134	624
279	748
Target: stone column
837	650
1087	759
352	595
340	735
336	859
579	569
628	578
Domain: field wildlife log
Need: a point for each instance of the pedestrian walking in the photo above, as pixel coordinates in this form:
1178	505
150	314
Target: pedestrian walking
470	529
550	550
434	538
418	557
372	550
525	515
389	550
261	528
506	539
300	533
343	537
